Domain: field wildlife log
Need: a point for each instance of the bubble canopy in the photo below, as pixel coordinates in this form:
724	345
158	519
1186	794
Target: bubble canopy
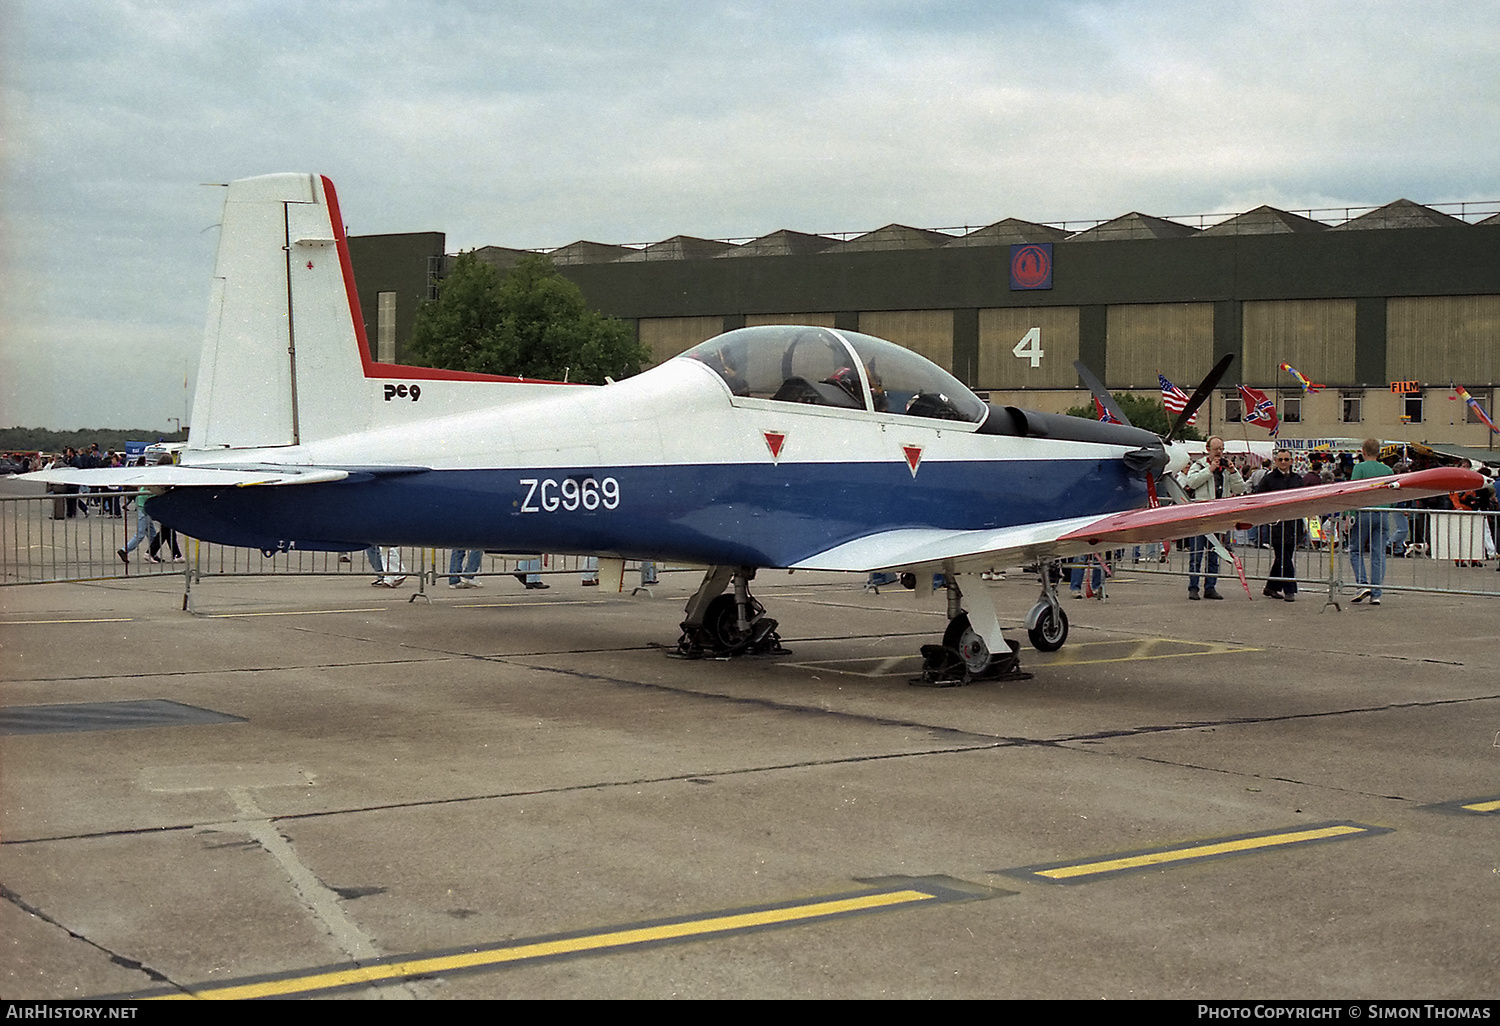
843	369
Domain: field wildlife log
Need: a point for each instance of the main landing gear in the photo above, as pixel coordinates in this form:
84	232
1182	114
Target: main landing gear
720	625
973	646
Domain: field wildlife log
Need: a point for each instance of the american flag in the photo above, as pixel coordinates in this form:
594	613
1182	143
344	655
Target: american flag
1174	398
1259	409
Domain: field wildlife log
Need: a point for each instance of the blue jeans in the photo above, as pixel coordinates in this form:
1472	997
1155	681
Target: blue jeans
458	564
144	529
1400	530
1369	529
1196	546
1075	579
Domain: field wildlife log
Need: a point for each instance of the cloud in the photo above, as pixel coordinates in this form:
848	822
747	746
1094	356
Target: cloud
538	123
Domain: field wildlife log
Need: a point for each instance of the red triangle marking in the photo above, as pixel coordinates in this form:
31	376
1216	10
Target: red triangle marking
775	440
913	457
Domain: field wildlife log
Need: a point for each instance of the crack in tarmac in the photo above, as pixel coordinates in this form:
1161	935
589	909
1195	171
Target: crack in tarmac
131	964
1259	776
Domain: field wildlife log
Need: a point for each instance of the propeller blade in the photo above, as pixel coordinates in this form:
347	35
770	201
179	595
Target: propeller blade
1100	393
1204	390
1175	492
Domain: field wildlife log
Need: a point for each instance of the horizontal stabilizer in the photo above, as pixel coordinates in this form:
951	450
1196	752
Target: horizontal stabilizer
169	475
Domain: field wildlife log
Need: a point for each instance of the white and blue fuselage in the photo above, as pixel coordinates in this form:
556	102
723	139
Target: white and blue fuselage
667	465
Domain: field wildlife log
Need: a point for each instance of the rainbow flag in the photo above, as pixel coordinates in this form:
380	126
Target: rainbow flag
1463	394
1307	386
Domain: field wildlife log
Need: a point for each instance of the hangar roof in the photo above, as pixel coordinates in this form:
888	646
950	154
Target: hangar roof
896	236
1265	220
502	258
585	252
1134	225
1402	213
783	243
678	247
1008	232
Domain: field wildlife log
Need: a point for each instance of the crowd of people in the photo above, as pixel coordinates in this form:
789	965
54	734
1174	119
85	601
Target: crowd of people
83	501
1369	536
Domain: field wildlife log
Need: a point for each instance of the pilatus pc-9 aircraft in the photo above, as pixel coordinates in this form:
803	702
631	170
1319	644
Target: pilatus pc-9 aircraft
792	447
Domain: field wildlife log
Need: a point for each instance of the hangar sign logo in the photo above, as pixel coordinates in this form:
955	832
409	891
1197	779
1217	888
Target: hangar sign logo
1031	266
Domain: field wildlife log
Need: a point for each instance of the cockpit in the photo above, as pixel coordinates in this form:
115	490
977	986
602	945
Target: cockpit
842	369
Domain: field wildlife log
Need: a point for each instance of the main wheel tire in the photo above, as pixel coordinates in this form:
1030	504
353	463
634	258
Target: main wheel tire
721	621
1050	631
971	648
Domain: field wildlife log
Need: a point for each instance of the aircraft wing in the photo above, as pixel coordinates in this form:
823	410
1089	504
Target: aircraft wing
960	551
170	475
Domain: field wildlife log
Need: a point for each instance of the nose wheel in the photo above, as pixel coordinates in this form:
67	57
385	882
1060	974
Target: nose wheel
1047	624
1050	629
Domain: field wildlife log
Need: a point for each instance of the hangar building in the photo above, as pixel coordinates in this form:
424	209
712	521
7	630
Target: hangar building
1387	307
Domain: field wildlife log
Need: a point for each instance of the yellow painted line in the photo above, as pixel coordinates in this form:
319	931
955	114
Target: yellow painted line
1200	851
1493	806
551	948
110	619
296	612
1142	652
885	666
1183	854
891	666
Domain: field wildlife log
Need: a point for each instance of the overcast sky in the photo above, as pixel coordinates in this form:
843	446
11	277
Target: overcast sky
534	124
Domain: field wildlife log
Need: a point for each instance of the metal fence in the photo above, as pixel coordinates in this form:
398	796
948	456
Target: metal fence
79	537
1440	551
1452	552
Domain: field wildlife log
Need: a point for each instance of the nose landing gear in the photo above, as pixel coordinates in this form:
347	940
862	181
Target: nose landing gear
1047	624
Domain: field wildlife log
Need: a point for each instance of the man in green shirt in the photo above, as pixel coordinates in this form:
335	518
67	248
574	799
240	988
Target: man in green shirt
1369	529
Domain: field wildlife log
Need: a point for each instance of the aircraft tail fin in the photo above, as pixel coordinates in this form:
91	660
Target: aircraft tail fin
284	328
285	359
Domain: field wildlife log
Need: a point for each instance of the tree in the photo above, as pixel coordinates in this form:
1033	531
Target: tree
1150	414
531	323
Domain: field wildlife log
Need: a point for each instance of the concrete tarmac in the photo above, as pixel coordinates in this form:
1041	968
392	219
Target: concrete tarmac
312	787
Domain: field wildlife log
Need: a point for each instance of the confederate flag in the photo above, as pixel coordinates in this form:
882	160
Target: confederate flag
1259	409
